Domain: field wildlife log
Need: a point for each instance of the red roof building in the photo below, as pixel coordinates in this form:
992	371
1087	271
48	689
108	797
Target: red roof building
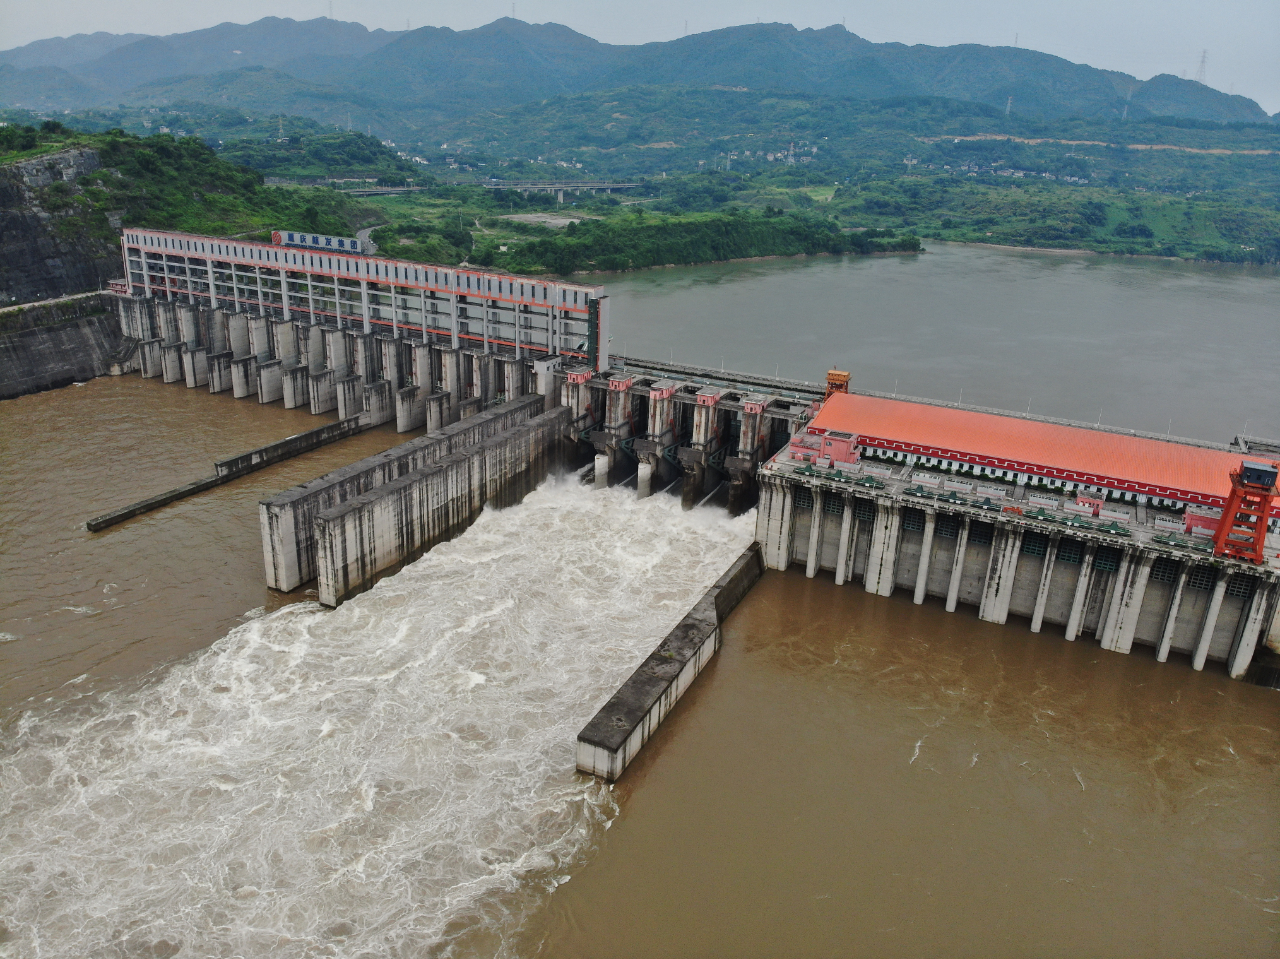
1138	465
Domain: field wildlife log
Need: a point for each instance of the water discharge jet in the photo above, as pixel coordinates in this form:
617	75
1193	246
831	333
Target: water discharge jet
347	765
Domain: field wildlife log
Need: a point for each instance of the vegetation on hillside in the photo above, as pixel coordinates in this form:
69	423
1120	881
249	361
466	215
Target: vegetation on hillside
169	183
797	139
280	146
1039	214
836	167
507	230
407	84
324	154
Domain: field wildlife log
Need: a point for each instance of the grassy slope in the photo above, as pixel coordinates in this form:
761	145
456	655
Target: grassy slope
452	224
175	184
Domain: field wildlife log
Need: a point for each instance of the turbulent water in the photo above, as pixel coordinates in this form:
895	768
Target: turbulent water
386	779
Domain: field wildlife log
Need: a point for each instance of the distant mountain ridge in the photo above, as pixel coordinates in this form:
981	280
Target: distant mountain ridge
322	68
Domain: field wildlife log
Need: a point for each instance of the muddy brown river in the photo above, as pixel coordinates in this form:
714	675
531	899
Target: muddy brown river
858	776
112	605
191	765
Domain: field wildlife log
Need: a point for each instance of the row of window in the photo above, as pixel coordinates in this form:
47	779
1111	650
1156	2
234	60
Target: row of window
384	269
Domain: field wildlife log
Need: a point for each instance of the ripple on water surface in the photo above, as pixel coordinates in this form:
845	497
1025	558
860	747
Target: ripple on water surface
374	780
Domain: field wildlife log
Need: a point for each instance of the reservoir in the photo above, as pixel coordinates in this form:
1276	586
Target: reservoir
210	768
1139	343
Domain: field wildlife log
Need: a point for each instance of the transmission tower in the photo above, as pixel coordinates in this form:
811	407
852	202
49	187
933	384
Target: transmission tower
1008	106
1204	58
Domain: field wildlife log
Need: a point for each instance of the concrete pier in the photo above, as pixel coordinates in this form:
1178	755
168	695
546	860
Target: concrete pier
617	733
287	519
398	521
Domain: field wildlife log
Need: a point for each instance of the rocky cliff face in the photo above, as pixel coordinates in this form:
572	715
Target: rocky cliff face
50	357
42	254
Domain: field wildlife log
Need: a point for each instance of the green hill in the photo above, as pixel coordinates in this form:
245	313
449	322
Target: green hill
166	183
405	82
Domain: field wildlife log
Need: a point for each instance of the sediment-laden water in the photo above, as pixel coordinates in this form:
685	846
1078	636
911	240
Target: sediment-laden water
1143	344
374	780
191	766
857	776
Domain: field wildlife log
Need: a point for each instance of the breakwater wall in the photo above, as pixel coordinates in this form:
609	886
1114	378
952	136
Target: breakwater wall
617	733
287	448
224	471
47	357
401	519
288	519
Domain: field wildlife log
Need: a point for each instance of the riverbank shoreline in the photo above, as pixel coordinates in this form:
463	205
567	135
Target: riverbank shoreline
1083	252
751	259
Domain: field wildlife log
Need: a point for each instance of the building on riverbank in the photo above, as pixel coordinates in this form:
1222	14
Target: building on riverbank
344	288
1094	530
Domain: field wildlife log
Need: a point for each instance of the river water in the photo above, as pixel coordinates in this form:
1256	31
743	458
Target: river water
1145	344
195	766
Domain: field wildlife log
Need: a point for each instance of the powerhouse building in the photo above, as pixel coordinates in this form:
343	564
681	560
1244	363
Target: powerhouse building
1133	538
330	281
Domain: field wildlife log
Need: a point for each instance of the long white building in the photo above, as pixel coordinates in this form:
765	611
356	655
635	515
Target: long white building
337	286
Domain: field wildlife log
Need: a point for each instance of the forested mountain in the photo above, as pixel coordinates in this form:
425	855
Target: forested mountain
107	70
67	52
417	78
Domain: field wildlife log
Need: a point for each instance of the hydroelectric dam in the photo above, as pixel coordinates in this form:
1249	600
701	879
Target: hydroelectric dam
1118	538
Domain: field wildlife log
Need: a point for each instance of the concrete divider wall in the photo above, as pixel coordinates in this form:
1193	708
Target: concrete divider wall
379	403
615	736
294	383
399	520
287	448
288	538
171	362
244	376
323	392
149	358
195	366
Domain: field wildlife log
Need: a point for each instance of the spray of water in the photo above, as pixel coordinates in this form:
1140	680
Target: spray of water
380	780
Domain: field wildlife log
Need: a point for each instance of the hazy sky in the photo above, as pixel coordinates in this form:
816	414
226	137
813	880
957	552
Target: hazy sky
1141	37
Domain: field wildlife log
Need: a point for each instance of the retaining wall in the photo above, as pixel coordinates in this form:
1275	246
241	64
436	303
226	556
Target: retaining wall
616	734
288	539
400	520
49	357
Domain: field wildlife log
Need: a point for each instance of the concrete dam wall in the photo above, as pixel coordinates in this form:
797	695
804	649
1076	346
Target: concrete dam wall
45	358
399	520
288	537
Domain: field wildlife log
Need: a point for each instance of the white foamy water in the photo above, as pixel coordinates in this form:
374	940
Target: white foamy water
378	780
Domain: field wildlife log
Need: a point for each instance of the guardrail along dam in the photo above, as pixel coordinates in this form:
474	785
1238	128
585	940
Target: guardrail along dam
511	600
